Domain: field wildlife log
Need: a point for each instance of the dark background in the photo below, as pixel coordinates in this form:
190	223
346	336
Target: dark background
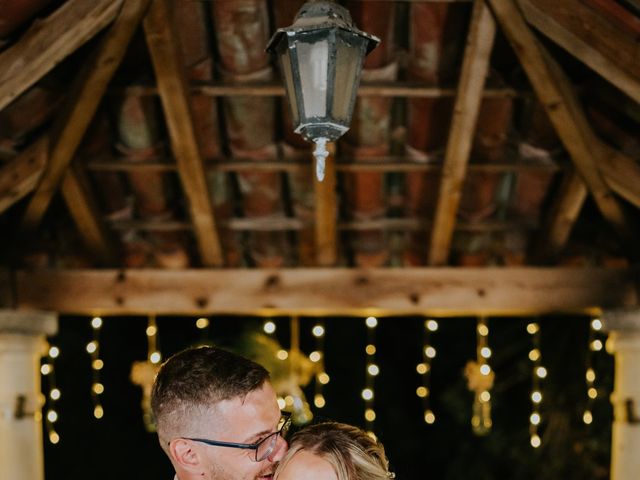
119	447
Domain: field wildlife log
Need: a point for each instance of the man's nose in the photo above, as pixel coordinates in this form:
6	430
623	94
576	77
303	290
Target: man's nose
281	448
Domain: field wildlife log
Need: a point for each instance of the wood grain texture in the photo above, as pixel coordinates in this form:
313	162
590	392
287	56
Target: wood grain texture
326	213
20	176
318	291
163	44
49	41
475	67
86	93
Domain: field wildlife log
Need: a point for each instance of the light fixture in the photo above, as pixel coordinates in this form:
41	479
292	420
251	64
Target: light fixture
321	58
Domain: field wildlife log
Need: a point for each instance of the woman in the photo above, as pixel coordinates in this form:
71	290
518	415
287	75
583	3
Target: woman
333	451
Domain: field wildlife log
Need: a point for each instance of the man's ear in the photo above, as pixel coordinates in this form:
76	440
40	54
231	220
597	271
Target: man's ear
185	456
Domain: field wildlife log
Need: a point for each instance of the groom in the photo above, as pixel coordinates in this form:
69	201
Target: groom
217	416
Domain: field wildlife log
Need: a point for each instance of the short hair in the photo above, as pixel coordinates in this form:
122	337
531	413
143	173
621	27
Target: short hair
353	454
195	380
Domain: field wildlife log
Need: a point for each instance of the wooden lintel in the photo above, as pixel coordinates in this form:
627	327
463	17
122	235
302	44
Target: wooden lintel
325	291
564	110
162	41
19	176
87	91
326	213
49	41
475	67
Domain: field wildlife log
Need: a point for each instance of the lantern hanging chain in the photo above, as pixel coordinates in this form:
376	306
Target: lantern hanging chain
372	371
539	372
595	345
153	352
317	357
48	370
93	348
424	370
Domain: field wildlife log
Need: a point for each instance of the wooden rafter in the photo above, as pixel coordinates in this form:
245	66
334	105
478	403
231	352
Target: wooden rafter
465	114
86	216
588	36
323	291
563	108
326	213
51	40
21	175
562	216
88	90
162	41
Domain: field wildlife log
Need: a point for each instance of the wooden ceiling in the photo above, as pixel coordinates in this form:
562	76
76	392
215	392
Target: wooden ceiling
393	203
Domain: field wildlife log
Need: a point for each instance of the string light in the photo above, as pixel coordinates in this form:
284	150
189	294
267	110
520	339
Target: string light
203	325
317	356
372	371
153	352
93	349
539	372
595	345
49	371
424	370
481	418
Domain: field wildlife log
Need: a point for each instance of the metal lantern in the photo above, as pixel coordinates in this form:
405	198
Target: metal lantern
321	57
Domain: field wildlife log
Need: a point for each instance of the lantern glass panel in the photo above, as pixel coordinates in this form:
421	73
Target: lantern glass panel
349	54
313	65
287	73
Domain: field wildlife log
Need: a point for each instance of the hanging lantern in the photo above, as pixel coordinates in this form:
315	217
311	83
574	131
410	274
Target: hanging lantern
321	57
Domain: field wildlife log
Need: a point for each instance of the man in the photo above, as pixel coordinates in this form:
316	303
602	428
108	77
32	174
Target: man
217	416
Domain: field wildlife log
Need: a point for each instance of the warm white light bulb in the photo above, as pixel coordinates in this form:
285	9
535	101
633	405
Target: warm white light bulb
269	327
373	370
96	322
372	322
367	394
318	331
202	323
54	352
431	325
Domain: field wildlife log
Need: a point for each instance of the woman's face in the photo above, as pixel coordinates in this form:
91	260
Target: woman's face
306	466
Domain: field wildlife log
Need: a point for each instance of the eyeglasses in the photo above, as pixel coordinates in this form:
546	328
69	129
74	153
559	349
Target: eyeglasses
264	447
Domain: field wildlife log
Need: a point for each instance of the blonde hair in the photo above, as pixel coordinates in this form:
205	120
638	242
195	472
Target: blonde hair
352	453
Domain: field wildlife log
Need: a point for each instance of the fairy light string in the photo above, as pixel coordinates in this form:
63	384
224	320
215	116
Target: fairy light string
539	372
317	356
595	345
424	370
372	371
48	370
93	349
153	352
481	419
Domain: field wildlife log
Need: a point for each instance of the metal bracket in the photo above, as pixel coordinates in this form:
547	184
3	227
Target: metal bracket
629	406
20	411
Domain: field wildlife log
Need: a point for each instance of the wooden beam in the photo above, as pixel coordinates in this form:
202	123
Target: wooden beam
87	218
19	176
163	44
49	41
88	89
562	217
282	223
562	106
325	291
463	124
591	38
326	212
621	173
270	89
382	165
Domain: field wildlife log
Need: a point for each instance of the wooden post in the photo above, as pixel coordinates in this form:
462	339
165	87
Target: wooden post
22	343
326	213
624	342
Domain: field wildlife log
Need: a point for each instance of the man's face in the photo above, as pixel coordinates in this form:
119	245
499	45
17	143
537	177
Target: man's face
243	420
